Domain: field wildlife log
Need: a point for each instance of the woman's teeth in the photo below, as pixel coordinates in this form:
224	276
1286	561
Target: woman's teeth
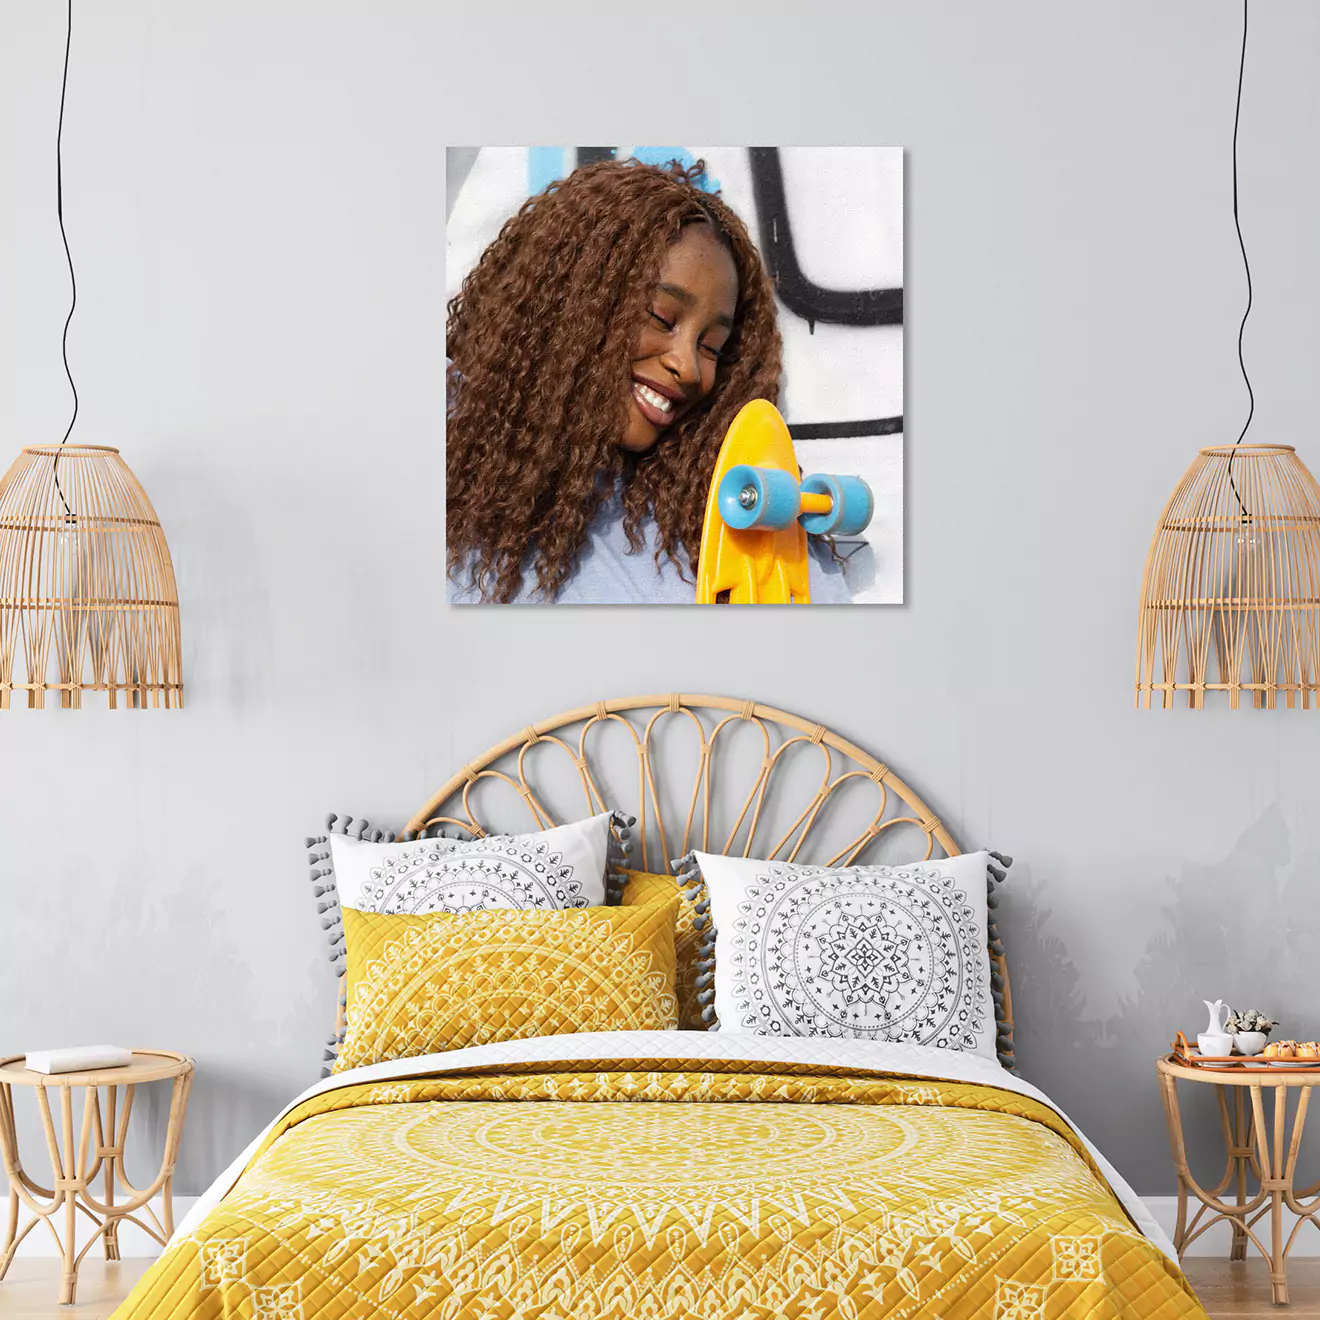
657	400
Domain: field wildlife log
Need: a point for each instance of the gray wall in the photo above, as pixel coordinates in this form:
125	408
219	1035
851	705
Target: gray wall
255	199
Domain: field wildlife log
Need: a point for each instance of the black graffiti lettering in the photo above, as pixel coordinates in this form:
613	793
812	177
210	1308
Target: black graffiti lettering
810	301
845	430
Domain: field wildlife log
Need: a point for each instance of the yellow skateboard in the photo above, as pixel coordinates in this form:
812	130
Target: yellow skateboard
760	510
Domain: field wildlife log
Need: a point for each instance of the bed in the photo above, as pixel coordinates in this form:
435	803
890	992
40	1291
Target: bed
675	1174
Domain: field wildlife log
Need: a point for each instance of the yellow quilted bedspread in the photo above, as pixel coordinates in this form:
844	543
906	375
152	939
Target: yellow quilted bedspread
733	1191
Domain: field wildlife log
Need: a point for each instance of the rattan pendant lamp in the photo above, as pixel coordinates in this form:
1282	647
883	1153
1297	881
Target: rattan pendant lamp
1230	599
87	594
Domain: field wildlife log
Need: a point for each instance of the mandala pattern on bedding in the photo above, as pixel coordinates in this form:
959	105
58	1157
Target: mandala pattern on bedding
889	953
418	984
441	875
703	1210
647	887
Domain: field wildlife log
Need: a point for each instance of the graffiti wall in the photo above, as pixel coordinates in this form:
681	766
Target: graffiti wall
828	223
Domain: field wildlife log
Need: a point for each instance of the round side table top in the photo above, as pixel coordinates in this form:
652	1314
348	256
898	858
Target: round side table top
147	1066
1280	1075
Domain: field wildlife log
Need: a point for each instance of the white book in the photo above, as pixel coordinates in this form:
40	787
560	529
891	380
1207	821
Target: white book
82	1058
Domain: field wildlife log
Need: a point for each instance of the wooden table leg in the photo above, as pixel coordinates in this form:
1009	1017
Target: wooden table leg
1241	1154
1269	1148
9	1150
21	1188
11	1237
1173	1119
107	1150
68	1184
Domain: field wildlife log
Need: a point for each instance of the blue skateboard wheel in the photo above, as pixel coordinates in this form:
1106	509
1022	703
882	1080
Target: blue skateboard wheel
758	497
851	505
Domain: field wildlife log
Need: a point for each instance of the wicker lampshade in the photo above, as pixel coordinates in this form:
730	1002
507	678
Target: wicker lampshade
1230	600
87	594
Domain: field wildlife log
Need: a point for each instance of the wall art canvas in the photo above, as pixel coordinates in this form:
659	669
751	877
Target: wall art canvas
674	375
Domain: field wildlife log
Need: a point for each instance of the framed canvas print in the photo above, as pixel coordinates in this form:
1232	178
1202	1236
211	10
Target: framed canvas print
674	375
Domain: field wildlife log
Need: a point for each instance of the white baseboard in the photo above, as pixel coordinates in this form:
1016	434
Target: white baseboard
1214	1242
132	1240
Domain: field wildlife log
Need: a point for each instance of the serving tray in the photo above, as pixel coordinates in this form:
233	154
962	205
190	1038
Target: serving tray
1190	1057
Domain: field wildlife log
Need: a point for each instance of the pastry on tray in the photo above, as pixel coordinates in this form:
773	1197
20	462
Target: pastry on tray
1291	1049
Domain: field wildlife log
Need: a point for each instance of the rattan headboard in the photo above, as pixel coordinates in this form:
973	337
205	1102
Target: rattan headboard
732	743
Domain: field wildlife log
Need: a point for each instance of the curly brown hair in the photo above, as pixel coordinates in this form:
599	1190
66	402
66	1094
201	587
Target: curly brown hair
541	336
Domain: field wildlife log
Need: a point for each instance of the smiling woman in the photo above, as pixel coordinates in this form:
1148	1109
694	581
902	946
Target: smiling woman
599	350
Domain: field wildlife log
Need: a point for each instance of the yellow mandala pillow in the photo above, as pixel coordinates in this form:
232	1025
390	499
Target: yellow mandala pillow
440	981
693	951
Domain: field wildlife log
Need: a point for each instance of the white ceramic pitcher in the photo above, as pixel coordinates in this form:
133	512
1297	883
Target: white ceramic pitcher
1214	1040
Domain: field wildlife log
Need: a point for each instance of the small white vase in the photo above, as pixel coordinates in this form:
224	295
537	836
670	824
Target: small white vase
1249	1042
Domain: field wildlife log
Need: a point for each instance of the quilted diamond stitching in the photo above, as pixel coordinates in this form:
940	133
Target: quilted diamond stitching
646	887
333	1230
442	981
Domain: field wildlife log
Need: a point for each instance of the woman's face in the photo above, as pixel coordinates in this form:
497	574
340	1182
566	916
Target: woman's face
677	353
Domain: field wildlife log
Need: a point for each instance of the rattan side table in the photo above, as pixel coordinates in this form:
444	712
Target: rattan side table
1259	1148
99	1149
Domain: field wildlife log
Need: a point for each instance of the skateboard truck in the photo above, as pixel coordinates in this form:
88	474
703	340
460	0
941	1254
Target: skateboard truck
760	511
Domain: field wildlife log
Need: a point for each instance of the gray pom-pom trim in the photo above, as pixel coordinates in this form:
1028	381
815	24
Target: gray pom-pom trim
685	867
996	875
330	1052
618	856
322	876
687	872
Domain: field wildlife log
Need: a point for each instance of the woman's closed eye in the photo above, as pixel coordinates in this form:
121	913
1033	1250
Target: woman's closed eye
718	354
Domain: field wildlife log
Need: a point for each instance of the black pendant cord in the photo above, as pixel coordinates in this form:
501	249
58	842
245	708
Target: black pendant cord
1242	364
68	256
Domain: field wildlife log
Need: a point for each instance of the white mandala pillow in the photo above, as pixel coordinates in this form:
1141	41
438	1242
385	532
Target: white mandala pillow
550	869
896	953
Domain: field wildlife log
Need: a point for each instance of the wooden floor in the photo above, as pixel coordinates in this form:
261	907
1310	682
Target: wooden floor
1237	1288
1228	1290
31	1287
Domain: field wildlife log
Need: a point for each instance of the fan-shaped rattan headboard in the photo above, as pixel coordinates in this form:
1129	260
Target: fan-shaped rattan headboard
733	743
